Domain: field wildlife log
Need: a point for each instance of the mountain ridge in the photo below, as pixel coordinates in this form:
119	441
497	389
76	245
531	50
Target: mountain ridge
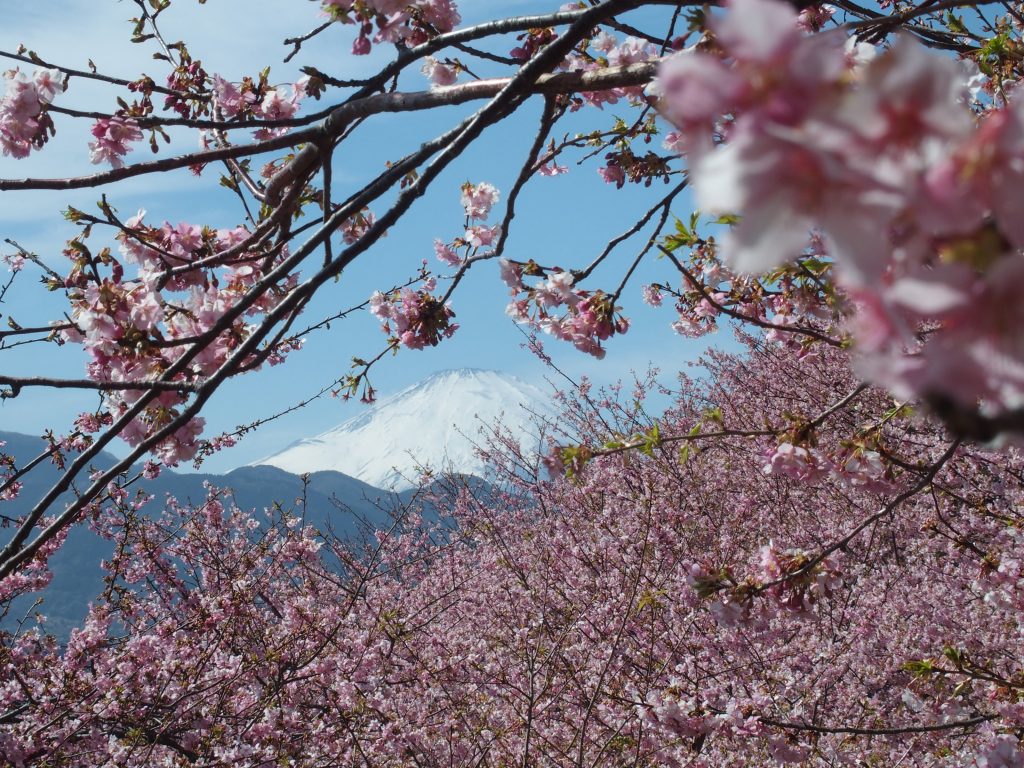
333	501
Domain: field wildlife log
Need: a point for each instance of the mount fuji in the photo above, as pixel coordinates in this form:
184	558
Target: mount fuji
430	425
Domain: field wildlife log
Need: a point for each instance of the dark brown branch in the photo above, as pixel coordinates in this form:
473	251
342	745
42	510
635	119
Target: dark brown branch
197	122
651	242
17	383
476	52
564	82
82	73
14	715
836	407
890	731
296	42
28	255
161	166
880	26
930	37
640	224
47	329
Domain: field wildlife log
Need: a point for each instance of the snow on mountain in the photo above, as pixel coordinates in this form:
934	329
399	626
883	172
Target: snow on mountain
432	424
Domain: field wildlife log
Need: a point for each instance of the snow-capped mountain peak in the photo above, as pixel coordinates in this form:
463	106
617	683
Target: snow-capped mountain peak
432	424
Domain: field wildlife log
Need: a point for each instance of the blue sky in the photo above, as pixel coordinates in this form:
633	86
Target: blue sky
563	220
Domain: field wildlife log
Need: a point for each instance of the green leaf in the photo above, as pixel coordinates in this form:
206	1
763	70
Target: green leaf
714	415
649	599
955	24
919	667
955	655
684	237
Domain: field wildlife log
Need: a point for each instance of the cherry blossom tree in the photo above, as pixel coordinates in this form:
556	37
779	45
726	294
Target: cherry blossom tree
808	560
723	597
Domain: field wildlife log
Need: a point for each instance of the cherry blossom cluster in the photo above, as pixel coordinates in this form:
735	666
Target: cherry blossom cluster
134	329
260	100
789	579
588	318
249	99
396	21
698	314
602	49
476	241
795	588
478	200
784	578
642	612
859	467
414	319
187	82
795	305
609	52
111	139
880	152
32	579
24	122
533	40
354	227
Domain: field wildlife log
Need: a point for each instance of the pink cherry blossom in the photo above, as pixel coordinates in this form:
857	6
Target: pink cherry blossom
511	275
480	236
612	174
479	199
49	82
415	319
652	295
229	99
439	74
24	123
112	138
446	253
551	168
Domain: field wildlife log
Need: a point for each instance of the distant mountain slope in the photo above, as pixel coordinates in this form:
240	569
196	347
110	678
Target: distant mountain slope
431	424
346	506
